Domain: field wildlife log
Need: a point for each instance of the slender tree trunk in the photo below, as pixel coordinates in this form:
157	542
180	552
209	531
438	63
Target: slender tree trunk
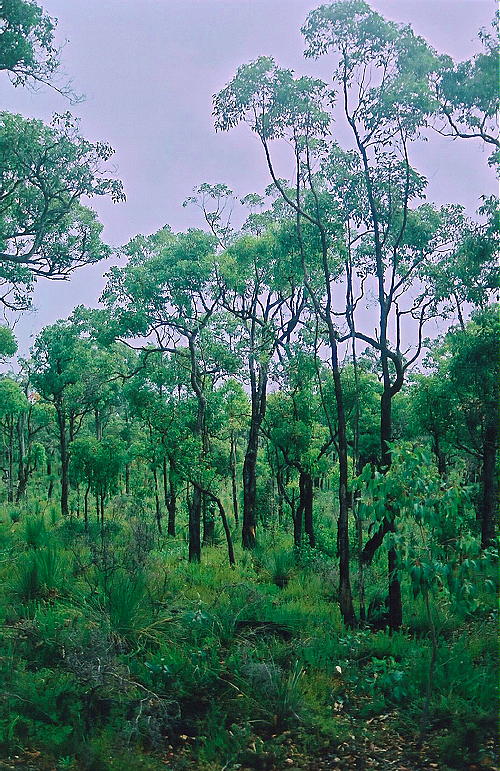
345	593
127	478
50	488
164	472
172	500
259	398
157	501
234	483
298	519
250	489
23	471
307	494
86	508
194	526
440	458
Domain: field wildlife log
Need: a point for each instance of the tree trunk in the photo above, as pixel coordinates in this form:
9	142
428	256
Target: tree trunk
250	489
172	500
86	508
307	495
234	483
194	526
345	593
157	501
259	398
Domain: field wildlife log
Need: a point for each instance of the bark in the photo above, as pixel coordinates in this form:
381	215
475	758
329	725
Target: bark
157	501
172	499
345	593
234	483
259	397
194	526
308	508
86	508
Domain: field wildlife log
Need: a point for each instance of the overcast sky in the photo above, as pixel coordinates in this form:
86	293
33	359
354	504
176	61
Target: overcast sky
149	68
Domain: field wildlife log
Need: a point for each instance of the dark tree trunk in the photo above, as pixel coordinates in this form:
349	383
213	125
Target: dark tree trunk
307	495
164	471
440	458
250	489
259	398
345	593
172	499
194	526
50	488
234	483
298	519
489	484
86	508
157	501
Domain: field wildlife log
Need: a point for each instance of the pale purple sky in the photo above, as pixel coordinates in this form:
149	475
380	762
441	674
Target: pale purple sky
149	70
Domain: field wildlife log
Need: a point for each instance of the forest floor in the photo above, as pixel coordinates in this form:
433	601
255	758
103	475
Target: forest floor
106	665
382	747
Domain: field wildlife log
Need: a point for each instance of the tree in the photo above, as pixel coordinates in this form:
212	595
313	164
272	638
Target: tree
67	374
467	94
261	288
8	343
12	404
27	50
169	292
467	366
44	229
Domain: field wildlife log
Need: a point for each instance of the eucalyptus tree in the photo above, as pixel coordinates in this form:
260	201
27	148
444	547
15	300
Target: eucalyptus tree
168	295
45	230
298	428
261	288
361	202
33	427
68	373
278	106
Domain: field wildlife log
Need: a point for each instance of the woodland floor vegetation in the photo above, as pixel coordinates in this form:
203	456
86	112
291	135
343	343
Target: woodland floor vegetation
117	653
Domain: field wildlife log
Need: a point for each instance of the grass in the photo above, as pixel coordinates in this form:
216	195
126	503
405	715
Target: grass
103	649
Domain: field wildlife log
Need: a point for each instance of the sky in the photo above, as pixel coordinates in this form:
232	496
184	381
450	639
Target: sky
148	71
